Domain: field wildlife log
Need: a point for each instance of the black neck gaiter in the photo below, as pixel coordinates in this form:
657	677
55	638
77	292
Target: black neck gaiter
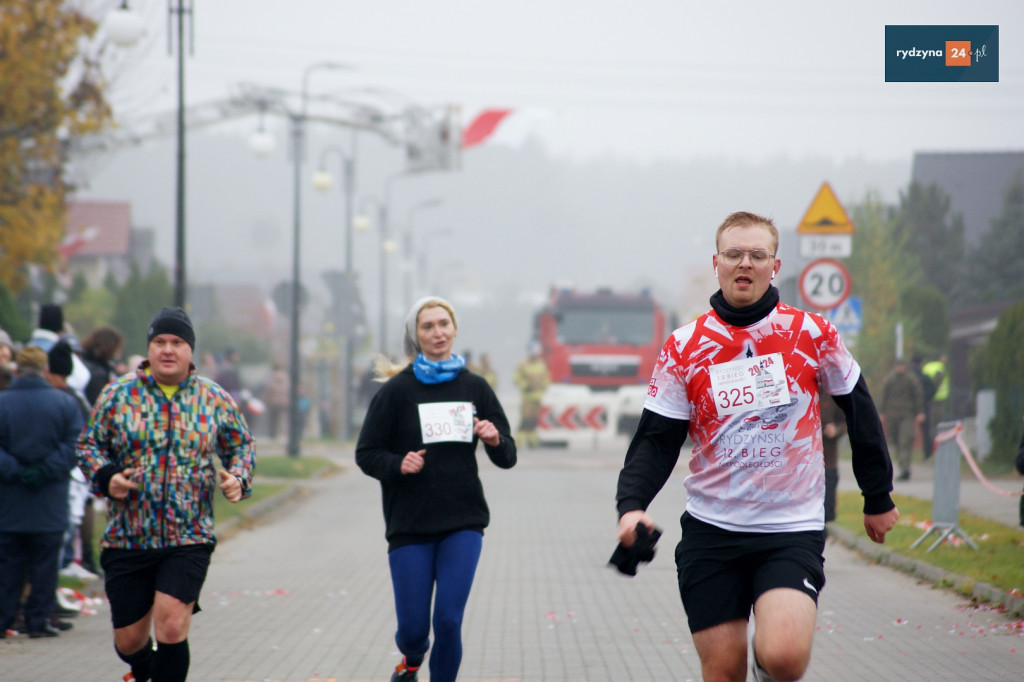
744	317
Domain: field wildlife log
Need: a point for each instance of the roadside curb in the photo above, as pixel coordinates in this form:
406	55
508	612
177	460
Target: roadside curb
1012	604
251	515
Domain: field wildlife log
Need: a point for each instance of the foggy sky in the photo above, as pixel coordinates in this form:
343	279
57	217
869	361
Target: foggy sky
663	118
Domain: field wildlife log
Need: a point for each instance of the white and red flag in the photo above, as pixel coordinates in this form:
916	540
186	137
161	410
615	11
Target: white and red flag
501	127
76	241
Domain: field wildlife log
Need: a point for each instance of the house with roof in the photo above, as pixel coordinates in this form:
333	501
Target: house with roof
100	240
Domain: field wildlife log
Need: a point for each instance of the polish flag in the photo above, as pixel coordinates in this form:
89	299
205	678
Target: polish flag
73	243
500	128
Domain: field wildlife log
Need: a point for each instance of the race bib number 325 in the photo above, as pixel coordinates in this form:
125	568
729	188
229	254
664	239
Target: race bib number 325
749	384
446	422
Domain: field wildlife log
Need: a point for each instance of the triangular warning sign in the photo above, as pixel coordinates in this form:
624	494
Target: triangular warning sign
826	215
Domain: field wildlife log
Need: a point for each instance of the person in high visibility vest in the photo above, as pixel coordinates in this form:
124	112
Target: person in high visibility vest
937	371
532	378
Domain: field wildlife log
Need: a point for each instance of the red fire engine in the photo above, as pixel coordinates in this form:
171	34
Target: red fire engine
600	348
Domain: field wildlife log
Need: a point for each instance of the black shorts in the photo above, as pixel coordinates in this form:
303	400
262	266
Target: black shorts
133	576
722	573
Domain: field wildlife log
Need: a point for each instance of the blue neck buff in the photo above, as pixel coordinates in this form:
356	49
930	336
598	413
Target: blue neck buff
431	372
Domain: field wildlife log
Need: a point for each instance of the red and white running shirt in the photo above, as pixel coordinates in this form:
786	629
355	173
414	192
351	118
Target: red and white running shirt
751	397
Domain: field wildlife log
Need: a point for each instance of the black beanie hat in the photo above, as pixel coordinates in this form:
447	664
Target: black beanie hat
172	321
59	359
51	317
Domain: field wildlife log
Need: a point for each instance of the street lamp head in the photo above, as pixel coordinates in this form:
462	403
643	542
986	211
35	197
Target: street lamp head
389	246
361	223
124	27
323	180
262	143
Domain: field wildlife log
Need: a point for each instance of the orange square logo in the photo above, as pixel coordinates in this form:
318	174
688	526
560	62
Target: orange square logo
958	53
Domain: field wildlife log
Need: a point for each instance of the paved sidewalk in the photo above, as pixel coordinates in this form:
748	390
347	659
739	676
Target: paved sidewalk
305	596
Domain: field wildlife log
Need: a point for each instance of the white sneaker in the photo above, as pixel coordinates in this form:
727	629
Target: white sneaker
76	571
759	673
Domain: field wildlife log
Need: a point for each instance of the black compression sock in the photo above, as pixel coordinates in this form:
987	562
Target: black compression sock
170	662
140	661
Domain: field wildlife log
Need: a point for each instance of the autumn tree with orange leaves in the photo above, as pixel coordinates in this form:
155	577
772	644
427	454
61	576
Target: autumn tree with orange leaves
48	93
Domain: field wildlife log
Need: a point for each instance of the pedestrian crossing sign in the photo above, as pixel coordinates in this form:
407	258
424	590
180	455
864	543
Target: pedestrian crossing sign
846	317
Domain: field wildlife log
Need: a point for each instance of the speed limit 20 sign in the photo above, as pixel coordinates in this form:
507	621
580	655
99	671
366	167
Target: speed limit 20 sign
825	283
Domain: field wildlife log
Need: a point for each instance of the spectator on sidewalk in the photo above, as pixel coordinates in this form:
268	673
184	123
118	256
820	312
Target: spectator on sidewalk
38	429
937	371
928	389
902	409
100	350
49	331
57	372
6	360
276	395
1020	468
833	430
533	378
151	449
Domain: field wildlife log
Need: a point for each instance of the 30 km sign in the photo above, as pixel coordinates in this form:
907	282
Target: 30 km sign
825	283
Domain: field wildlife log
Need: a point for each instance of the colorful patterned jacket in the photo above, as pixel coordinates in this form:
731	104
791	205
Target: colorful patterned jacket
172	442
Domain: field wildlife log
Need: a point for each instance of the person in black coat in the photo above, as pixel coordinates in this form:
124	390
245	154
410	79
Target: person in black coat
39	426
100	350
419	439
1020	467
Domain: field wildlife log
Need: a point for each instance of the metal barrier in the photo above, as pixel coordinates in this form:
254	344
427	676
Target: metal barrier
946	492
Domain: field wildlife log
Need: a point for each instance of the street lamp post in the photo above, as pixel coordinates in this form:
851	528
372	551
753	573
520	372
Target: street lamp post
124	28
422	269
387	247
322	181
298	122
180	9
408	246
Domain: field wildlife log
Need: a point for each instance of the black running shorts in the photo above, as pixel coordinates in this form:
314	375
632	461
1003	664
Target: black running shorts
722	573
132	578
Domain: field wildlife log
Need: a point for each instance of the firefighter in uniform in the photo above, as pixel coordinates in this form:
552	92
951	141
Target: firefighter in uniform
532	378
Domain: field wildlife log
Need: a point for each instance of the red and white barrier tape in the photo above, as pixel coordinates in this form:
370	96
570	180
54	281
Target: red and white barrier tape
954	433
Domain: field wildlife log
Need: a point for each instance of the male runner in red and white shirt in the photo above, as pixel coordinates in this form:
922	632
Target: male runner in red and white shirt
742	381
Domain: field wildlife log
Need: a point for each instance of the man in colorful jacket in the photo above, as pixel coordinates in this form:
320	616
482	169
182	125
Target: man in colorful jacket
149	449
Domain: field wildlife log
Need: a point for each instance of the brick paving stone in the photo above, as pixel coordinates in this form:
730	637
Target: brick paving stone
304	595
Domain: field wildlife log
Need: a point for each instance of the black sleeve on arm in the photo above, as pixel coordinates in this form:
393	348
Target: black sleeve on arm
650	459
872	466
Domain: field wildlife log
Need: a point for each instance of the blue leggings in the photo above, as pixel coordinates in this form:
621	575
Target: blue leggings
450	563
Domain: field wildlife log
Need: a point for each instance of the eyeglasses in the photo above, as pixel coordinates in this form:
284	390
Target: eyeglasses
758	257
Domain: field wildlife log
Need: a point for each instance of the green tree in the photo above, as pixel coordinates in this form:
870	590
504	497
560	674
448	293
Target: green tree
137	300
11	319
994	269
92	308
877	269
1000	367
46	94
926	326
933	238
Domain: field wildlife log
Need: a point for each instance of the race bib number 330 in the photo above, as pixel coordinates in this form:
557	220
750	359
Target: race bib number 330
446	422
749	384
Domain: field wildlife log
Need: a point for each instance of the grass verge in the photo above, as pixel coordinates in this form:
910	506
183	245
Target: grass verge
293	467
998	561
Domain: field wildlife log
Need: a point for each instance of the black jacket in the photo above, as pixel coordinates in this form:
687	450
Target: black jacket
447	495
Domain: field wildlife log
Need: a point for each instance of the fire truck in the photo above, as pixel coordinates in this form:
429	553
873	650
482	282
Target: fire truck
600	348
